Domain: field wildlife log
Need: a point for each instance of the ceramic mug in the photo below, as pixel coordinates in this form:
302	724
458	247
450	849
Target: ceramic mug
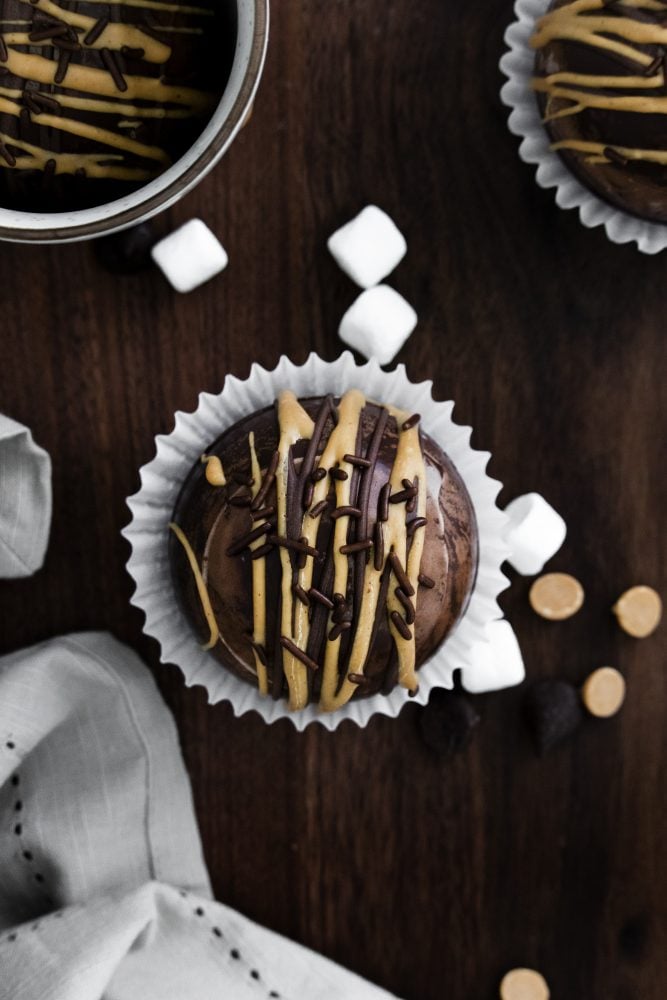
163	191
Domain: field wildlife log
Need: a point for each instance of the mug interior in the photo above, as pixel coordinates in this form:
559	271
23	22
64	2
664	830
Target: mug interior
181	176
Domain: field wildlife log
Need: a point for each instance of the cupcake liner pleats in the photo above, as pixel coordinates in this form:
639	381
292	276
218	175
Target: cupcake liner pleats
152	509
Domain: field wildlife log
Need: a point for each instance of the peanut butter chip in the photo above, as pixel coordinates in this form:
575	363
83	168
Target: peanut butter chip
639	611
524	984
604	692
556	596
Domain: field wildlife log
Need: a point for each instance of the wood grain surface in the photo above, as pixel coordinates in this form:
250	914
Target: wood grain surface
431	877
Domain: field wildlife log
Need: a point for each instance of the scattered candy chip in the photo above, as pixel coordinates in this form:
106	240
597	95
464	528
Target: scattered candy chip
368	247
378	323
495	662
524	984
553	712
535	533
639	611
447	722
556	596
190	256
604	692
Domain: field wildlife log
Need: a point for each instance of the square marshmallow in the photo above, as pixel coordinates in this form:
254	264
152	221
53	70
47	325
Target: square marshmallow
536	532
495	662
378	323
190	256
368	247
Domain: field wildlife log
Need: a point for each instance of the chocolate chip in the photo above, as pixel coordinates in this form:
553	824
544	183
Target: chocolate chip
553	711
127	252
447	722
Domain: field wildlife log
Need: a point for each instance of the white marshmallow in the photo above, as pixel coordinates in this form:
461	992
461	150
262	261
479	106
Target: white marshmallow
190	256
494	662
535	534
378	323
368	247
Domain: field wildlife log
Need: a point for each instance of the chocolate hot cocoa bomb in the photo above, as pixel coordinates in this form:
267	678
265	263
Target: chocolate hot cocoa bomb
323	548
601	88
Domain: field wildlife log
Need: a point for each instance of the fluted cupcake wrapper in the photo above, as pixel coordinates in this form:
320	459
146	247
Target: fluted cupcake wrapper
518	65
152	510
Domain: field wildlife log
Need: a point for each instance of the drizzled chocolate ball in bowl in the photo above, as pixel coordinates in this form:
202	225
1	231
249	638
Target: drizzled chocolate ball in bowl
110	112
323	548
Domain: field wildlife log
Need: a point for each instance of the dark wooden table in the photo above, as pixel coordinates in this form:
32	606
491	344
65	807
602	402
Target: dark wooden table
429	876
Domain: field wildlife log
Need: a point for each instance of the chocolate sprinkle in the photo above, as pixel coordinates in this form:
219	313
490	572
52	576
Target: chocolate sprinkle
318	474
308	492
267	482
263	512
360	679
411	422
4	54
378	546
319	508
407	605
63	63
317	595
362	463
345	512
338	629
339	474
401	575
109	59
7	155
403	495
418	522
401	625
251	536
292	648
383	502
360	546
96	30
40	34
301	594
426	581
293	543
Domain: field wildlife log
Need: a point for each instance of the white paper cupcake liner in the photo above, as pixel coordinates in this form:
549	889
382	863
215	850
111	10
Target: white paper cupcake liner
518	65
152	510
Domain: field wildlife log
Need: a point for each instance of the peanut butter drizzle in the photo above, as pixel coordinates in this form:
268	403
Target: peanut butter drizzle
566	23
99	84
202	589
215	474
95	164
113	139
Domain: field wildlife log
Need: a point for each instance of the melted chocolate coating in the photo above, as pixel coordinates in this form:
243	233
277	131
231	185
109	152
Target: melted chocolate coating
636	186
212	524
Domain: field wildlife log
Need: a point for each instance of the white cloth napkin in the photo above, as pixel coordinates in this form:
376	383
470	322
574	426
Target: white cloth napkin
103	889
25	500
